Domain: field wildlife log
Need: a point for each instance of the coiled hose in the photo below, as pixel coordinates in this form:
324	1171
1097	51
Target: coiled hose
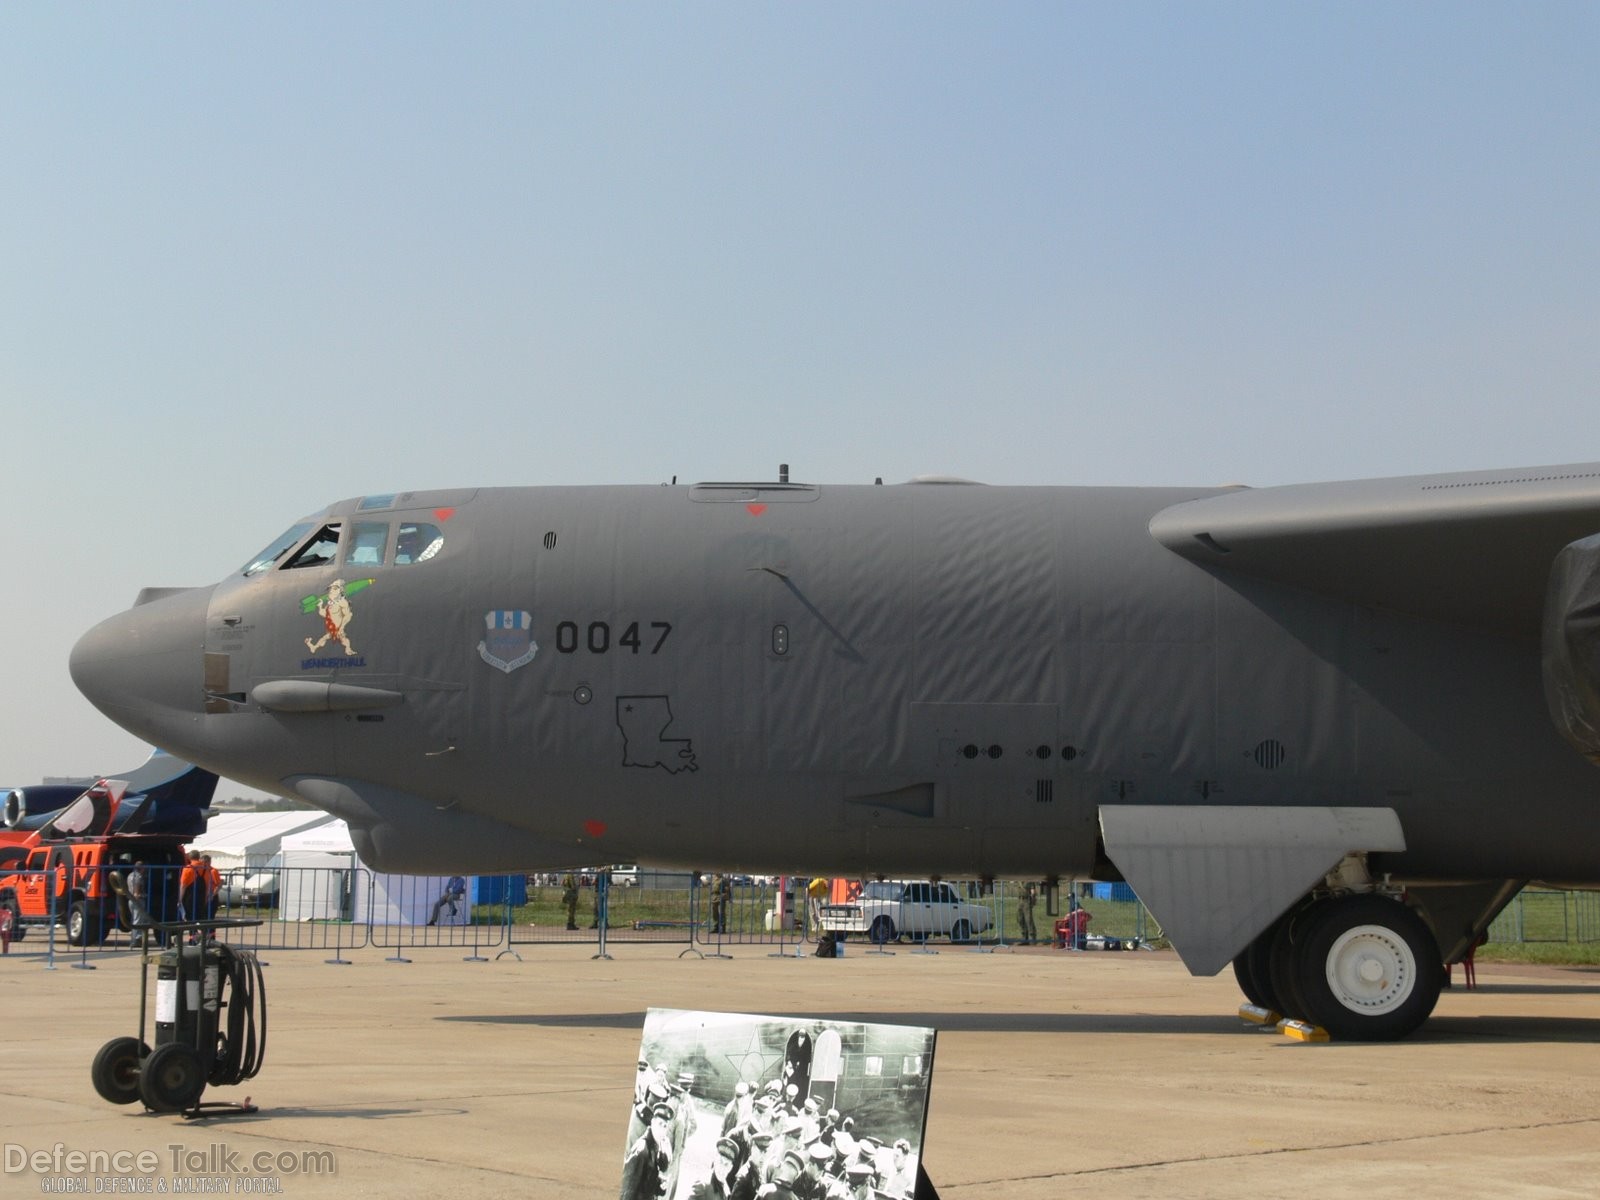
242	1043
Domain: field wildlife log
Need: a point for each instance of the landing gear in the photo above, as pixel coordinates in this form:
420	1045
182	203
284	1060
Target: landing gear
1253	970
1364	967
1369	969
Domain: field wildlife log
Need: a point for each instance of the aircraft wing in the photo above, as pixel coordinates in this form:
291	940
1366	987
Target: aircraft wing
1471	548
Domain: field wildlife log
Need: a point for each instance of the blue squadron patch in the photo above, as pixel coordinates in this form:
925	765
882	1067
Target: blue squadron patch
508	642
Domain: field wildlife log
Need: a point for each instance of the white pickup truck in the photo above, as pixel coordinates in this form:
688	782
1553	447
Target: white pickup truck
889	908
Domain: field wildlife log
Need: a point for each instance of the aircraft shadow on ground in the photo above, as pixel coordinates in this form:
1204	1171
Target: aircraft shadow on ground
1510	1029
1437	1029
963	1022
368	1114
1538	989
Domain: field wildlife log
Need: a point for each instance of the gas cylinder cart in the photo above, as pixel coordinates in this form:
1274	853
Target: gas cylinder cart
210	1024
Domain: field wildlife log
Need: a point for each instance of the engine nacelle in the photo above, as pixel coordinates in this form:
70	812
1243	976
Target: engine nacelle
1571	645
37	802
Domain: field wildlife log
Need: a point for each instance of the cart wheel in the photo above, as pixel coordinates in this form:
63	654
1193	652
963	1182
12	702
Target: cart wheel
172	1079
116	1069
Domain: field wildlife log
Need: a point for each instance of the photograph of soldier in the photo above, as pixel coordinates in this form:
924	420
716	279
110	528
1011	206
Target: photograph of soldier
724	1107
644	1170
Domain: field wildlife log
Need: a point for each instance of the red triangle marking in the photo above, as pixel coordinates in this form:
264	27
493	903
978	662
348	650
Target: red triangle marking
755	510
595	829
444	514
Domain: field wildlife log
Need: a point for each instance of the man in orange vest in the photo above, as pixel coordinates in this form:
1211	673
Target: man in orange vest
213	886
194	884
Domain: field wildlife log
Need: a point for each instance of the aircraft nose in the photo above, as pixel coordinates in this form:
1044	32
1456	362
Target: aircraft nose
145	668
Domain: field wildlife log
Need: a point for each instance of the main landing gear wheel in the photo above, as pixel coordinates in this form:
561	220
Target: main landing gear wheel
172	1079
1282	974
116	1069
1251	969
1368	969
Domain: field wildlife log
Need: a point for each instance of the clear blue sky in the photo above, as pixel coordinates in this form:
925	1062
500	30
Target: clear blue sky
256	258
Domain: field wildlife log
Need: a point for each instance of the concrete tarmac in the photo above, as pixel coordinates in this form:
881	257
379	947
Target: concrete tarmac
1056	1075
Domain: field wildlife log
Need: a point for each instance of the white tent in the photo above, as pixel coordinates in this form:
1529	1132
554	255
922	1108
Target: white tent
316	873
411	900
318	883
247	840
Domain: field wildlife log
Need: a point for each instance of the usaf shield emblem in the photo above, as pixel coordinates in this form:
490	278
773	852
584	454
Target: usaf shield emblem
508	639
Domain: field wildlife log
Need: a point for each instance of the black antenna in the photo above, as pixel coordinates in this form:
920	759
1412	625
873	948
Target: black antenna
783	472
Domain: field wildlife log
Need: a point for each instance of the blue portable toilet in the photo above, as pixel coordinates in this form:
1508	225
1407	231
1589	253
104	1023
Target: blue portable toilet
500	889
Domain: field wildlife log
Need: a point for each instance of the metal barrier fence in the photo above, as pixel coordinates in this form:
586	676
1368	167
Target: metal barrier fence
1542	915
312	908
337	910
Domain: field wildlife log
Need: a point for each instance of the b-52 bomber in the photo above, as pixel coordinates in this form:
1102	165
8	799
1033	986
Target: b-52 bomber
1325	731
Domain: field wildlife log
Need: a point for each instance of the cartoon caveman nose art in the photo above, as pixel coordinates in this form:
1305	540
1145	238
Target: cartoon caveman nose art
334	609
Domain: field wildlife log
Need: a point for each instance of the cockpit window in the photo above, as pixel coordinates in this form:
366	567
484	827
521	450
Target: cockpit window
279	547
368	540
417	542
319	551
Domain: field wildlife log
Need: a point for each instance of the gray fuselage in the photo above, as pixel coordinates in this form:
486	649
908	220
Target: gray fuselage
914	679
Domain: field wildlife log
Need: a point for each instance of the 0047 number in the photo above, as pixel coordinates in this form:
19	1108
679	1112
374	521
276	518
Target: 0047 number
596	639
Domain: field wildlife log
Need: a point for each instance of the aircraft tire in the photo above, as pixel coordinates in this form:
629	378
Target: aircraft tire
1250	970
1258	962
1283	960
116	1068
1370	969
172	1078
1241	976
881	931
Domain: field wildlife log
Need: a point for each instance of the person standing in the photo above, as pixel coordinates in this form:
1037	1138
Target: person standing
1026	930
569	898
192	890
817	891
721	895
719	1185
645	1167
903	1169
213	886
